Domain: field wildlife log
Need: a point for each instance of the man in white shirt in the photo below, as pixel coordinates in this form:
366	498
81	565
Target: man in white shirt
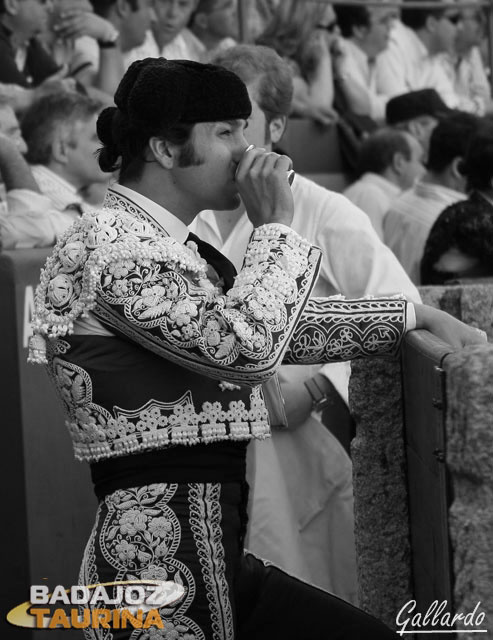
301	515
215	24
412	59
409	220
390	161
366	32
466	67
60	131
27	217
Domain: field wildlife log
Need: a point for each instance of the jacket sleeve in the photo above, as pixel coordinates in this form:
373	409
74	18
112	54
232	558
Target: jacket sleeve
335	329
178	313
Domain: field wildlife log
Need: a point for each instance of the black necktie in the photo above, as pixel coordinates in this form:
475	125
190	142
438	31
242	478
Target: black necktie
225	269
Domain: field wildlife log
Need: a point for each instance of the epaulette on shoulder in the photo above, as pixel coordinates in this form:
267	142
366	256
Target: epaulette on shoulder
69	279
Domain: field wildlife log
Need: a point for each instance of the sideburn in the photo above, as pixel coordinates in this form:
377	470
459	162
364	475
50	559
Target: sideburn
188	157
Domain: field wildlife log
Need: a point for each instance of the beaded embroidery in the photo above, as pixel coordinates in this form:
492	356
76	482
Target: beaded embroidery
96	433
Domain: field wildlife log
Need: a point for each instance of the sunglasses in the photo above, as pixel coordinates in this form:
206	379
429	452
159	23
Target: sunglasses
328	27
454	18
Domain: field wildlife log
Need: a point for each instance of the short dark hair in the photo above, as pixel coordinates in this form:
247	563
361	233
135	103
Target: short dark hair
102	7
262	65
378	150
477	164
46	115
416	18
350	16
449	140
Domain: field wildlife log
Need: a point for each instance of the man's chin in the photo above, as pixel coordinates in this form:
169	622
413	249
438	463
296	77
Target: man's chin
229	204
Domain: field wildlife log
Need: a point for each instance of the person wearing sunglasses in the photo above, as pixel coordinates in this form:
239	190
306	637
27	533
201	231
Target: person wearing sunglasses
414	57
466	65
366	33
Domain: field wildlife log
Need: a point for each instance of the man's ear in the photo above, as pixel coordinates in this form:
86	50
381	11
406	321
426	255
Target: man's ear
277	127
164	153
122	8
359	33
454	168
398	162
431	23
59	148
11	7
201	21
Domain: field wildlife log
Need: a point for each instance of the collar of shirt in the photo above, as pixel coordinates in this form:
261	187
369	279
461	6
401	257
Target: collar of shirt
435	191
172	225
389	188
61	193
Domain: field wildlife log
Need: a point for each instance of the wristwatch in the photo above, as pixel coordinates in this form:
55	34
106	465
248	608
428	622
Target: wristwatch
316	387
110	40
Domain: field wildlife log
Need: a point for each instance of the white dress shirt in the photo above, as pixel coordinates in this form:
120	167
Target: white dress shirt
362	72
409	221
471	83
301	512
29	219
373	194
406	65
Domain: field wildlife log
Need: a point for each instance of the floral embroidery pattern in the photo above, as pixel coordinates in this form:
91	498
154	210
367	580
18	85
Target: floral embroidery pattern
96	433
138	534
119	264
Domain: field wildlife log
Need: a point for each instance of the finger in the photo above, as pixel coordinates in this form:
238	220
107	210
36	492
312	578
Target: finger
59	75
245	163
284	163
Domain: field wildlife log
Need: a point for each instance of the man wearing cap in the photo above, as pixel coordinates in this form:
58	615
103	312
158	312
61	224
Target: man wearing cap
158	352
418	113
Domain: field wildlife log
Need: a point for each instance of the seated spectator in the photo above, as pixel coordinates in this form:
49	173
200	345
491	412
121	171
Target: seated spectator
413	58
389	163
303	32
170	37
24	61
366	32
27	218
85	42
460	244
107	54
411	216
215	24
466	66
60	132
417	112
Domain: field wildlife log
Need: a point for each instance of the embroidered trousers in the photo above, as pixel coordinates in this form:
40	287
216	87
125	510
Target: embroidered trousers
192	534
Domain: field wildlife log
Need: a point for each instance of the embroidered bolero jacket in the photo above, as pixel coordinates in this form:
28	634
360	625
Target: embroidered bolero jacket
183	360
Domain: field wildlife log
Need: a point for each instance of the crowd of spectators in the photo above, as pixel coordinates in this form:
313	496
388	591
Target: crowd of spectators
386	74
411	84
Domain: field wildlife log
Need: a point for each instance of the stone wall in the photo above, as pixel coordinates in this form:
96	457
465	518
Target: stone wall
470	461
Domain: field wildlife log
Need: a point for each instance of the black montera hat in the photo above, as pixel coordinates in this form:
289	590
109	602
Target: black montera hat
425	102
181	91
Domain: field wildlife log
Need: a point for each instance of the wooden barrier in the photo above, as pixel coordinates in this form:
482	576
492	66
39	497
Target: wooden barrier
423	470
48	503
